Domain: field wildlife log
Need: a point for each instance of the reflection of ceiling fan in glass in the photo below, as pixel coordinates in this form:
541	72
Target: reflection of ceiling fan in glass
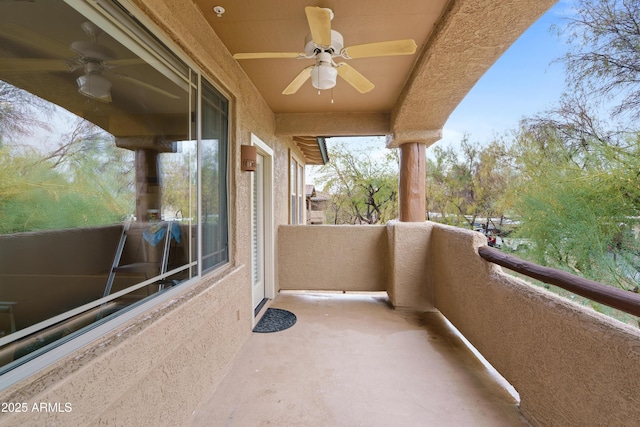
93	58
325	44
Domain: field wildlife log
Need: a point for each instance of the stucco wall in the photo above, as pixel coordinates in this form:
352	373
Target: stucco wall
392	258
409	282
332	258
570	365
155	369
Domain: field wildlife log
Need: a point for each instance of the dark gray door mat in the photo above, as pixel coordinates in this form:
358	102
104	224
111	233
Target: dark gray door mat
274	320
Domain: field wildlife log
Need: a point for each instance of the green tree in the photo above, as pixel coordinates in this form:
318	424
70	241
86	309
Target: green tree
362	185
577	189
604	55
494	175
577	196
463	186
450	188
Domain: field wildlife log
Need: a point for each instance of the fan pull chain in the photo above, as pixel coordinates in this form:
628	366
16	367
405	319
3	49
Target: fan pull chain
332	95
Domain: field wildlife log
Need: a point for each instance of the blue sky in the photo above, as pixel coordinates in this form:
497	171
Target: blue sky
524	81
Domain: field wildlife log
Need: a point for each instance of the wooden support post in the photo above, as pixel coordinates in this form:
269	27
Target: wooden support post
412	194
147	183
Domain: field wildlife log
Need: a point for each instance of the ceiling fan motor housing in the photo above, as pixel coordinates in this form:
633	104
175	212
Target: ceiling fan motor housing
337	44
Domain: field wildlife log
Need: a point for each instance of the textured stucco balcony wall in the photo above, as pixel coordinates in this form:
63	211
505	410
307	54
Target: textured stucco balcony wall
409	282
392	258
570	365
332	257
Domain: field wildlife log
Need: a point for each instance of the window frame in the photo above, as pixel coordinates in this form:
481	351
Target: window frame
297	213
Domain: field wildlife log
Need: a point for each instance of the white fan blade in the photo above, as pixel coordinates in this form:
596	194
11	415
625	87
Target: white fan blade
33	65
27	37
298	81
144	84
390	48
354	78
320	24
268	55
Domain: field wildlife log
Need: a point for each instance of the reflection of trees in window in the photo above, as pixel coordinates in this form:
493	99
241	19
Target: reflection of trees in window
179	191
210	178
51	180
213	154
20	111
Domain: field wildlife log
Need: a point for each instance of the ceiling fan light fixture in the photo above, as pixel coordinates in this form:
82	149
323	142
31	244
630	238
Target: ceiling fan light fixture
324	76
95	86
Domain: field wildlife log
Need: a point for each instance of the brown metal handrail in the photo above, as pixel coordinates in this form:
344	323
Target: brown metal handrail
620	299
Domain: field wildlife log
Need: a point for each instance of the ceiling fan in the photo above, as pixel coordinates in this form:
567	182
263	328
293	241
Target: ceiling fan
94	59
325	44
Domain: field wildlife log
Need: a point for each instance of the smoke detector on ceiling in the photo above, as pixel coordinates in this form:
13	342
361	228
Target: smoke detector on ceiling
219	10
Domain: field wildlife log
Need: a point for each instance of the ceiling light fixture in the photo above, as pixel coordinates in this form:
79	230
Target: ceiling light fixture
324	77
324	74
93	85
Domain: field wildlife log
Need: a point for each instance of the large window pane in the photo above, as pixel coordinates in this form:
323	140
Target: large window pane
98	167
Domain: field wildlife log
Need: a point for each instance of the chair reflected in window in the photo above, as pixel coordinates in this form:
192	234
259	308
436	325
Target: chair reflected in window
144	251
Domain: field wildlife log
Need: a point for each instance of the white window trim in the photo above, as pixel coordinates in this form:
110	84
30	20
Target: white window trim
301	186
269	221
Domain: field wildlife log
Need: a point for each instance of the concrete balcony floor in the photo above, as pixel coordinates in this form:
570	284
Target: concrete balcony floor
352	360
